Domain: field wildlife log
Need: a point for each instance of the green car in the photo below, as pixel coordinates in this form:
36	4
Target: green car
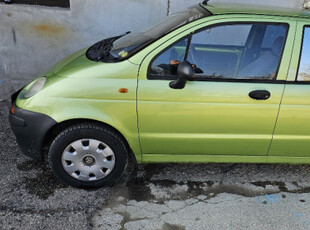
214	83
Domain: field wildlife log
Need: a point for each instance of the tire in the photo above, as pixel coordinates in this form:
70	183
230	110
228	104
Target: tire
88	155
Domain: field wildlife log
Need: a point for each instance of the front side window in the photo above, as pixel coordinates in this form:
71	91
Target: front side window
304	66
233	51
166	64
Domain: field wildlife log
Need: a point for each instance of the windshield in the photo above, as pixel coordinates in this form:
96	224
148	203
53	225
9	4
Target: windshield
122	47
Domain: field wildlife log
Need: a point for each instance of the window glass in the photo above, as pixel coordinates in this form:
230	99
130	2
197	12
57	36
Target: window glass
237	52
304	66
218	35
215	52
166	64
272	33
234	51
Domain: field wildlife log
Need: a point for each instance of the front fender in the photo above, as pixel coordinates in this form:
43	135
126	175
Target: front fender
93	99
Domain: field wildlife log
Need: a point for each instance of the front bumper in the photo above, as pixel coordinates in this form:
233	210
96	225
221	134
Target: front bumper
30	129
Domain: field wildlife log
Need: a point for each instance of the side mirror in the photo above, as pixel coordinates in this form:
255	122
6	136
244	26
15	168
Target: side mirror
185	72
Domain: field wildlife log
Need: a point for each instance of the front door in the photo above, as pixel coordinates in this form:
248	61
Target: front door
230	107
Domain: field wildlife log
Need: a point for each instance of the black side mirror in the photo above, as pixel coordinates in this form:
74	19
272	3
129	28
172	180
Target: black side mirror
185	72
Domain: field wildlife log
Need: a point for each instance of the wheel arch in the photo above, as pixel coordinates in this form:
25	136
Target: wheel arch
52	133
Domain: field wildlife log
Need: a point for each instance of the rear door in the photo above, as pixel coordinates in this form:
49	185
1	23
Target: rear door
292	133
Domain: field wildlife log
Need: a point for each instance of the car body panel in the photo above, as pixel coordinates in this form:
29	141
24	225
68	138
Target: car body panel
208	117
91	93
160	158
292	135
200	120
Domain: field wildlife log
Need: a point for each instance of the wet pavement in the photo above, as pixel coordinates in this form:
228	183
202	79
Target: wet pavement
32	198
163	196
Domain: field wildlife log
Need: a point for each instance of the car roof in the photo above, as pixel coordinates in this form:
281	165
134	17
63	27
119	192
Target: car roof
229	8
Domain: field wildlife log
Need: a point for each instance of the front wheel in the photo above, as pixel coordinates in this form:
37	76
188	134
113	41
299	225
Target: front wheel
88	156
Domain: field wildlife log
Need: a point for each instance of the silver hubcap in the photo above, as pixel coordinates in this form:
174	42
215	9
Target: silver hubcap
88	159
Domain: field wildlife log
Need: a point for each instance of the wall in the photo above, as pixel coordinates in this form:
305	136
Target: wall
33	38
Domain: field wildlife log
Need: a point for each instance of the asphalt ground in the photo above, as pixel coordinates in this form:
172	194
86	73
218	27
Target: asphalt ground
156	196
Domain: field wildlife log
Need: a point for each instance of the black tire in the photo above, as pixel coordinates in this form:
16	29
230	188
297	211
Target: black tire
88	131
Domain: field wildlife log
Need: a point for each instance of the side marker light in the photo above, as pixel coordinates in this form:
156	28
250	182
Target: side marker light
12	109
123	90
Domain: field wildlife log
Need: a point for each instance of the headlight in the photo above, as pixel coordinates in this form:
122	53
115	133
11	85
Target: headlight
36	87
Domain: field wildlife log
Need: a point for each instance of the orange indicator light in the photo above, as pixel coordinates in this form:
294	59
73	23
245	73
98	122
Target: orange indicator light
12	109
123	90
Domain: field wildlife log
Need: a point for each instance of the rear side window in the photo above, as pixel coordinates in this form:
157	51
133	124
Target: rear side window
304	66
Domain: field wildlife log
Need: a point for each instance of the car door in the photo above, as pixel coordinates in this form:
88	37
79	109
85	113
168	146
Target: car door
231	106
292	133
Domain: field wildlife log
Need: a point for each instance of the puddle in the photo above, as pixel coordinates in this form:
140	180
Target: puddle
282	186
167	226
138	191
141	187
30	165
279	184
44	184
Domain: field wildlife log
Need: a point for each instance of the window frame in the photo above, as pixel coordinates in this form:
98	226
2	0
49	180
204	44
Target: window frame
300	53
48	3
169	78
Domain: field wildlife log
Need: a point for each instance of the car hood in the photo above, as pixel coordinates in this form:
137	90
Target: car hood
77	65
70	64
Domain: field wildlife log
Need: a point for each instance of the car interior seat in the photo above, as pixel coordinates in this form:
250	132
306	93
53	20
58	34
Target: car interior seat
266	65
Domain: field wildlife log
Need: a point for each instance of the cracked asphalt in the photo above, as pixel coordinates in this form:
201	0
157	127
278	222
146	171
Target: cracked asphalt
156	196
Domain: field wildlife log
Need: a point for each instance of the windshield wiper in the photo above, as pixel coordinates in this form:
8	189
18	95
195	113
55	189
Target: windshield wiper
100	50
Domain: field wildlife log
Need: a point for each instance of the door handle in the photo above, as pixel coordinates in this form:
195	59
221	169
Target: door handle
260	94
